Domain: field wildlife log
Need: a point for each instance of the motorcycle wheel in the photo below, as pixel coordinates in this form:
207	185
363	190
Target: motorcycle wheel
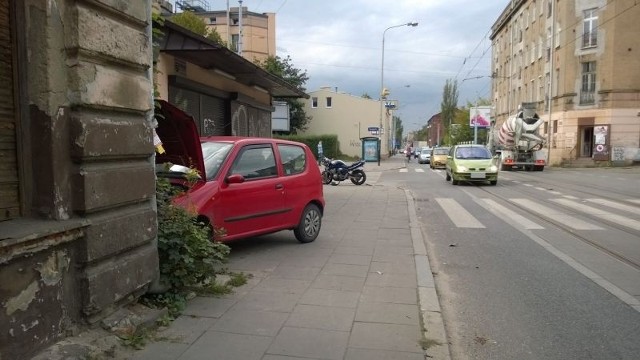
358	177
326	177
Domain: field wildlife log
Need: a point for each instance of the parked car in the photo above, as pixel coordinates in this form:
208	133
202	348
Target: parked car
246	186
425	155
438	157
471	163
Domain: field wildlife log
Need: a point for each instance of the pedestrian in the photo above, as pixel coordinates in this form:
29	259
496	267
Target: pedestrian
320	152
408	153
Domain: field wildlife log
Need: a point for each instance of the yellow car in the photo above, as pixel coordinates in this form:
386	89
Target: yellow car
438	157
471	163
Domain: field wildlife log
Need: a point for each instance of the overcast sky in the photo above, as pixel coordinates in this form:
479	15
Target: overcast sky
339	44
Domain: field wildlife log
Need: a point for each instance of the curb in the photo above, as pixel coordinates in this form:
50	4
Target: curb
433	331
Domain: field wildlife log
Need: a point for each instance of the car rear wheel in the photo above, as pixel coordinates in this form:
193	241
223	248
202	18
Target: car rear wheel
310	223
494	182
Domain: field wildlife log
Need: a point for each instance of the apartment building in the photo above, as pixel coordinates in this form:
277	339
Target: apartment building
252	35
345	115
578	60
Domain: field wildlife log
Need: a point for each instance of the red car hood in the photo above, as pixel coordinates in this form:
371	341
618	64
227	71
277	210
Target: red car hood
179	135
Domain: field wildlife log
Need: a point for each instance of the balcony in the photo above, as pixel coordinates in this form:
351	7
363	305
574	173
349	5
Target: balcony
587	97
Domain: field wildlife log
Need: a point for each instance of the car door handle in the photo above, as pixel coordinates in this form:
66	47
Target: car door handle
279	186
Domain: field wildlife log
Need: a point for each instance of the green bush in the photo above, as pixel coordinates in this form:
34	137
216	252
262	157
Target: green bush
330	144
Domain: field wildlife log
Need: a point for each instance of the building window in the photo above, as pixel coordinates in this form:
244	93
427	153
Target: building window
234	42
555	126
590	29
328	101
212	20
588	89
314	102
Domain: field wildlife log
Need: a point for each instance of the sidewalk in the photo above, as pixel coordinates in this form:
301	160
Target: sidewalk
362	290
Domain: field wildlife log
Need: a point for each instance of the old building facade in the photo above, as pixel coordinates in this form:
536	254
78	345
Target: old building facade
578	60
78	225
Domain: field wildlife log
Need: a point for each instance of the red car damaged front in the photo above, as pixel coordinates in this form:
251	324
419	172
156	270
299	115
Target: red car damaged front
247	186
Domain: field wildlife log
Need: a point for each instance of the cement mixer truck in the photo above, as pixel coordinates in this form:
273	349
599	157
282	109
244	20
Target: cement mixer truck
517	141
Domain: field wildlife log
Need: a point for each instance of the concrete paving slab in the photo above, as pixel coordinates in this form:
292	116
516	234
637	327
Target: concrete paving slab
310	343
388	313
366	354
338	282
296	272
350	259
263	323
267	301
328	297
186	329
345	269
282	286
208	306
226	346
162	350
389	294
392	337
321	317
395	267
391	280
355	250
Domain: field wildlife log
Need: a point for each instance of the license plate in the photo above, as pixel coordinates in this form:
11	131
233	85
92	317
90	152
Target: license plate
478	175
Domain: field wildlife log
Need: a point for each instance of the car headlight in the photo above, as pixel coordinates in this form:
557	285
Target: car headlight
462	168
493	168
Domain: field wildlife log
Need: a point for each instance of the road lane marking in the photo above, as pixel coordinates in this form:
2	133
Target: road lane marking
404	170
525	223
615	205
458	215
556	215
419	170
614	218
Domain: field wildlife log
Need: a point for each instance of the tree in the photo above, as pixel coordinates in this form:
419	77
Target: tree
366	96
399	129
189	20
448	106
285	69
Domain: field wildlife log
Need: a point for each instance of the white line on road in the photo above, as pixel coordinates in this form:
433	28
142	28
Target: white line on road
616	205
556	215
460	217
419	170
621	220
494	207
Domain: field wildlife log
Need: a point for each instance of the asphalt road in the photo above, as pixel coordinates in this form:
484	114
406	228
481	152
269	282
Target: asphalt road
545	265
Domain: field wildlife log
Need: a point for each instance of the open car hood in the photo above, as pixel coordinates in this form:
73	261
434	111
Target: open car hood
179	135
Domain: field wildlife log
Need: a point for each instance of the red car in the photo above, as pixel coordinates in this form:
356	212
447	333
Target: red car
247	186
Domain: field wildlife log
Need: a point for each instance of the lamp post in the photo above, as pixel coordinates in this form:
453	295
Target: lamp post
383	95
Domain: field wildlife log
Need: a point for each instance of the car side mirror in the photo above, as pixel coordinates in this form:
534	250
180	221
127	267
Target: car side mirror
235	179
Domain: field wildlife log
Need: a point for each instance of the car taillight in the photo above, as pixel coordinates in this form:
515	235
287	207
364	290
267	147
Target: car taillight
508	161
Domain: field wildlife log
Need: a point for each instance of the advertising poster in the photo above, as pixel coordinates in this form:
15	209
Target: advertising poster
480	116
370	149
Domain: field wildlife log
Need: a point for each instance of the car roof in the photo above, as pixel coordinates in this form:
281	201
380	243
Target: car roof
248	140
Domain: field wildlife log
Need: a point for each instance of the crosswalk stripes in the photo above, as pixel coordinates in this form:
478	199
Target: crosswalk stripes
615	205
614	218
525	223
556	215
458	214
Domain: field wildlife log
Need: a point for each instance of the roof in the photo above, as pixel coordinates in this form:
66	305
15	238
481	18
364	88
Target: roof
189	46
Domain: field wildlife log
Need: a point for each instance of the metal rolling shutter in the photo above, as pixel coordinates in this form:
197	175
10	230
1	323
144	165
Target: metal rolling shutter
212	110
187	101
9	183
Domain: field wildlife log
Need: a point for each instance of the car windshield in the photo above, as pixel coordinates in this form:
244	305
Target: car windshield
425	149
443	151
472	152
214	154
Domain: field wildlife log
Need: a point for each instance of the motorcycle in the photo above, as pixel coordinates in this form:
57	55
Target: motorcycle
336	171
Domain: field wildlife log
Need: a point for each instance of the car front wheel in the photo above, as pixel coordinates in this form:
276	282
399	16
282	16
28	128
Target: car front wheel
310	223
447	176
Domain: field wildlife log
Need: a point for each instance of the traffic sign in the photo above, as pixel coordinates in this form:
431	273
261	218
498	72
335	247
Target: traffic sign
373	128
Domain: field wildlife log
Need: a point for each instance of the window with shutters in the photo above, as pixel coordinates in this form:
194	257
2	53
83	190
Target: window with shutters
9	139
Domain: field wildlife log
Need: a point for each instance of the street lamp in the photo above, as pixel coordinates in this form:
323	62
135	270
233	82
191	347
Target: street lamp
383	95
